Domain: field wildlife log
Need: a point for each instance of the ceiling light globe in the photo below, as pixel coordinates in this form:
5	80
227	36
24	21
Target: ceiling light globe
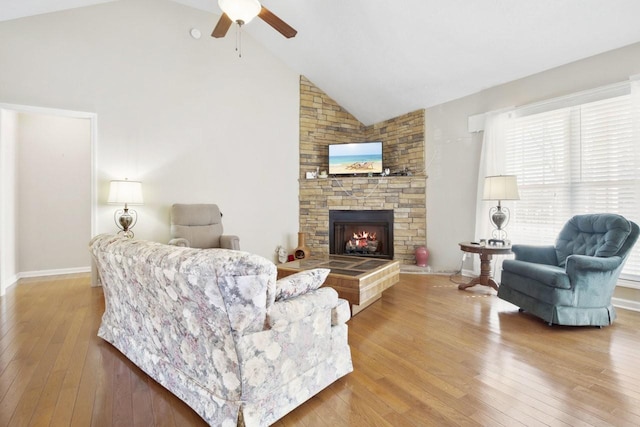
241	11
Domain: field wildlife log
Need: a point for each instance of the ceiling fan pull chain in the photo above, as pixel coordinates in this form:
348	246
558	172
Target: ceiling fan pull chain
239	40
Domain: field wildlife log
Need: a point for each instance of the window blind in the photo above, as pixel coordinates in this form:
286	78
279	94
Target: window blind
575	160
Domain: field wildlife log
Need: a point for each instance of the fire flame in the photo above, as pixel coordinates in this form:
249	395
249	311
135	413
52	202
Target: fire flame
362	238
364	235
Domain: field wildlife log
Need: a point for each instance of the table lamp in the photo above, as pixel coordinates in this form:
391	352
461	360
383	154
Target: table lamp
129	193
500	187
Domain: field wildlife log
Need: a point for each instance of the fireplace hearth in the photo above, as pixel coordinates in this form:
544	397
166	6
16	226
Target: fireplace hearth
364	233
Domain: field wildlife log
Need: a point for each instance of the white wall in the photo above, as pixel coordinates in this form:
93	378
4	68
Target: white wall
453	153
186	117
8	142
54	193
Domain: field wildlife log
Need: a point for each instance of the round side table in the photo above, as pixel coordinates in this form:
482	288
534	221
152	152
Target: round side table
486	254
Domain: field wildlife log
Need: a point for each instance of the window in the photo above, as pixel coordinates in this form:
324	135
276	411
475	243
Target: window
578	159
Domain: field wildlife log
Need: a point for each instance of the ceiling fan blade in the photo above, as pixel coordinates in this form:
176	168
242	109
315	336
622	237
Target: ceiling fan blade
222	26
278	24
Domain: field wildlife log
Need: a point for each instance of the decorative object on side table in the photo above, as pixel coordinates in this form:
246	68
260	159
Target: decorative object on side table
302	251
282	254
422	255
129	193
500	187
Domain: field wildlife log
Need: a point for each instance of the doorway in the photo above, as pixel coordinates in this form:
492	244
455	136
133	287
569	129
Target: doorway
48	191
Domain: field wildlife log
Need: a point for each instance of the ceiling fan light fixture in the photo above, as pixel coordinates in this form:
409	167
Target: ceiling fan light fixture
240	11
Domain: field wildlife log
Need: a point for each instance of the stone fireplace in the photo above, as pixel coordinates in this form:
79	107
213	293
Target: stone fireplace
365	233
324	122
405	196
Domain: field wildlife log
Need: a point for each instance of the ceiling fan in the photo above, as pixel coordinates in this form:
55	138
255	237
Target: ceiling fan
243	11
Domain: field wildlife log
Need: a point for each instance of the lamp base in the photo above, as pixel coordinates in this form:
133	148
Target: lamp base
125	219
499	218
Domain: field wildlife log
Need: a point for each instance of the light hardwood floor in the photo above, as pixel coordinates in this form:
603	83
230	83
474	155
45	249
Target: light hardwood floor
425	354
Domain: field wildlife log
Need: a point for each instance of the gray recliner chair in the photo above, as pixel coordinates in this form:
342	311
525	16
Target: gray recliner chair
199	226
572	282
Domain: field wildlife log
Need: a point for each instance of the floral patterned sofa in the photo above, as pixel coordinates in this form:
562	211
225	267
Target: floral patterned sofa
215	328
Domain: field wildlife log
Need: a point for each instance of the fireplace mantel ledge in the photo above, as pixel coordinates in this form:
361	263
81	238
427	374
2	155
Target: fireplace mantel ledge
367	178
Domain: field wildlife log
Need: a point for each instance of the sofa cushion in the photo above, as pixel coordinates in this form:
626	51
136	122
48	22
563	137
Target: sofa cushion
549	275
300	283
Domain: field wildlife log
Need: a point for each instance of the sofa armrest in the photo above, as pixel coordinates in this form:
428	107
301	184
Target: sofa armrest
536	254
184	243
582	263
300	283
284	312
341	313
585	262
230	242
593	279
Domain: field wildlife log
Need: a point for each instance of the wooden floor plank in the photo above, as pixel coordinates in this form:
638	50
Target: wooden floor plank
161	405
425	354
48	399
102	414
122	397
88	344
141	400
34	361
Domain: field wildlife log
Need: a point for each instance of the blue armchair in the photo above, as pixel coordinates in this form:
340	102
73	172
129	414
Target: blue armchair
572	282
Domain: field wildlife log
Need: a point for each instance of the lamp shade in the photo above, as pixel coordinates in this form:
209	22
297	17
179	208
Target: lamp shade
126	191
240	10
501	187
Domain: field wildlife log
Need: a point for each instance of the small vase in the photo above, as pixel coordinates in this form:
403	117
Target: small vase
302	251
422	255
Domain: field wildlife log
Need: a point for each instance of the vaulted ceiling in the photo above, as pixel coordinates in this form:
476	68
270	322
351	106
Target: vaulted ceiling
383	58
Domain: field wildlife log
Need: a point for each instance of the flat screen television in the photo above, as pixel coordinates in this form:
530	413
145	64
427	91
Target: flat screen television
355	158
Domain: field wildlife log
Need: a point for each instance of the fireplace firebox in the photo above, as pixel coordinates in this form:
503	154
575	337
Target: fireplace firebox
365	233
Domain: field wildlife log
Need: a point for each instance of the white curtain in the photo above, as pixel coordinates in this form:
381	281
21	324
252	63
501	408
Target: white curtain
492	162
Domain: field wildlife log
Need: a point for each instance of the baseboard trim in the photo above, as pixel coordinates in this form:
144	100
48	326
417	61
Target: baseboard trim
12	280
56	272
626	304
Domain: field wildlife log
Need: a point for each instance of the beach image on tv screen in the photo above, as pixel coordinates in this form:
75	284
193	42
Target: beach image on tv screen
355	158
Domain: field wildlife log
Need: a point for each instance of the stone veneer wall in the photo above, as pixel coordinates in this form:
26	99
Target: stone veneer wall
324	122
